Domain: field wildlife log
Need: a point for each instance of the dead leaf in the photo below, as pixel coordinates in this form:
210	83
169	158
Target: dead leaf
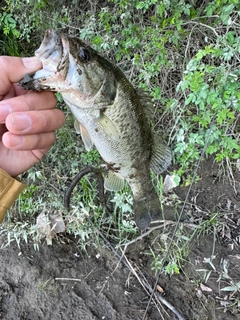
44	227
160	289
170	182
57	222
205	288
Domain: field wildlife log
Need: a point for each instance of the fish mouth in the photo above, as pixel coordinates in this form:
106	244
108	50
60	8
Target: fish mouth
54	55
62	71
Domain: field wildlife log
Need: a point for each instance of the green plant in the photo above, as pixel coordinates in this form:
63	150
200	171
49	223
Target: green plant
170	259
172	267
183	54
122	216
210	111
18	232
9	35
43	286
8	25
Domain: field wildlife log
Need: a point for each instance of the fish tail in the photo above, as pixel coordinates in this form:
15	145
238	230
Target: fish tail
146	210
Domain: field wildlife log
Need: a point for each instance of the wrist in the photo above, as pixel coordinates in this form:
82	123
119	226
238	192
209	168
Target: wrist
10	188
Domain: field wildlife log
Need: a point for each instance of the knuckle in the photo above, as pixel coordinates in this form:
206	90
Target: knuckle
30	101
52	98
40	100
45	140
47	121
4	60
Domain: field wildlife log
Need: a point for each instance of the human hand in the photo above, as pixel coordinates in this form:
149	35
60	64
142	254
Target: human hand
27	119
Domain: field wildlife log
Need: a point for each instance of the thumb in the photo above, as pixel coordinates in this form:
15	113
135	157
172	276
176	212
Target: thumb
14	69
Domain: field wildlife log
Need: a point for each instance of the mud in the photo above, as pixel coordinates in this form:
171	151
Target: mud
62	282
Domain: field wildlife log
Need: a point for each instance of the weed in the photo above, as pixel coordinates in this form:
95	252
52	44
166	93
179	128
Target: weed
10	34
122	215
43	285
18	232
176	254
186	56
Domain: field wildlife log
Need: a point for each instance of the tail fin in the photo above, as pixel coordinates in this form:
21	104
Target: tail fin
146	210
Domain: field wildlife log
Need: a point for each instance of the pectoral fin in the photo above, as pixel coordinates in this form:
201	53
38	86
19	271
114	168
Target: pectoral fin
108	126
113	182
80	129
161	155
77	126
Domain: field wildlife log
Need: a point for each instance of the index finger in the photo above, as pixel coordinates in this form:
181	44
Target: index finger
27	102
13	69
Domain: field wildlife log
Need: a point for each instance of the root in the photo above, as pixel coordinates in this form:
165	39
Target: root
78	177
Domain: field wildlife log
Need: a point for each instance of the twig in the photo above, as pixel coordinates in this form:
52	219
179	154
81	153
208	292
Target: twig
148	232
190	225
147	287
159	296
68	279
203	25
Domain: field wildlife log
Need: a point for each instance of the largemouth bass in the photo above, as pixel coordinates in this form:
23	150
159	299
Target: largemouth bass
110	115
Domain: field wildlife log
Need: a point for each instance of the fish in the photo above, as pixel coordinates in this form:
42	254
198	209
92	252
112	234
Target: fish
110	115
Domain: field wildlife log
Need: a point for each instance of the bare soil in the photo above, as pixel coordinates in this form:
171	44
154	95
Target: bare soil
63	282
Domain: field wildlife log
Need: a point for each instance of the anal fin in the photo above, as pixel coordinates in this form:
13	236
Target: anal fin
77	126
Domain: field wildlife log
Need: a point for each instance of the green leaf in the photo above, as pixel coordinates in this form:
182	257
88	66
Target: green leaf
225	14
191	98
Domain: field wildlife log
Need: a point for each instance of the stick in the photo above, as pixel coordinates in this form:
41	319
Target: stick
147	287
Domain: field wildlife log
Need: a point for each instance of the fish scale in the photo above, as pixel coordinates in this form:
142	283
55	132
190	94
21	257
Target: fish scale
110	115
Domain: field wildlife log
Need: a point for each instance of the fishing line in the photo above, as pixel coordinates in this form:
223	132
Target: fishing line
190	187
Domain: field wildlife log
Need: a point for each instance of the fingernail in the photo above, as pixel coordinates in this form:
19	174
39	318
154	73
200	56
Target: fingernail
4	112
14	141
32	63
20	122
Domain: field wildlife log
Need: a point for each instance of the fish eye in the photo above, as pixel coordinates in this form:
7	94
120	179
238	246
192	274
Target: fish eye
84	54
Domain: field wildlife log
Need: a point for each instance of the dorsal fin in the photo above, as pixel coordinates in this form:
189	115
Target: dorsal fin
146	102
161	156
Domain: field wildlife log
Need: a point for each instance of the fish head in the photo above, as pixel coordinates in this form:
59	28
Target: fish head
71	66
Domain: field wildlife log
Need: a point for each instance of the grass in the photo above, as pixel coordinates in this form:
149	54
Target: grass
53	174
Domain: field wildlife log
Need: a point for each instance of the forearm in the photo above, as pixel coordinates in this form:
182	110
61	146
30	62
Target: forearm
10	189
